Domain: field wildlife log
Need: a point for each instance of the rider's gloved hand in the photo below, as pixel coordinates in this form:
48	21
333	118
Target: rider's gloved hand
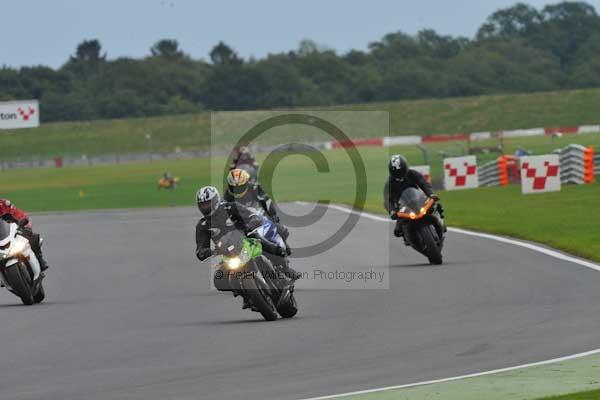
204	254
23	223
435	197
394	215
275	218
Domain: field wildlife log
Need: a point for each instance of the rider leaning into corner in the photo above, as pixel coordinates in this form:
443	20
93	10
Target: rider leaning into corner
241	190
10	213
220	218
402	177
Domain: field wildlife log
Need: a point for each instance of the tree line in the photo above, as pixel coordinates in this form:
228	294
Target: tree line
517	49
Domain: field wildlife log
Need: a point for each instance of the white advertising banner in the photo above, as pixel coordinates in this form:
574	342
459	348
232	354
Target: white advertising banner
540	174
460	173
19	114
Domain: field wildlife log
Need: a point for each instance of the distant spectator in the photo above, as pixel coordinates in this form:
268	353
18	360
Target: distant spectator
521	152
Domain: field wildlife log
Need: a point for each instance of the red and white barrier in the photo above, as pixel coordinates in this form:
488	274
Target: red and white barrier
540	174
414	139
460	173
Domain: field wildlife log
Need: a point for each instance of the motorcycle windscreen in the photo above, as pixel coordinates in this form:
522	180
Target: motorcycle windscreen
231	243
413	199
269	231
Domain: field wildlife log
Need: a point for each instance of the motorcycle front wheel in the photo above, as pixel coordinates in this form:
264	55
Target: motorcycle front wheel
19	280
259	298
432	249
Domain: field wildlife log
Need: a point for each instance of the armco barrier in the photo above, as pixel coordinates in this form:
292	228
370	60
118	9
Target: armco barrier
489	174
376	142
576	164
500	172
131	158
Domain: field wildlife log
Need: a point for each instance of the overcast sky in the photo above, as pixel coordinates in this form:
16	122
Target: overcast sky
47	31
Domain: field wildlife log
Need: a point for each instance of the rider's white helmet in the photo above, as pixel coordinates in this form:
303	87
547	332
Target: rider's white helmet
208	200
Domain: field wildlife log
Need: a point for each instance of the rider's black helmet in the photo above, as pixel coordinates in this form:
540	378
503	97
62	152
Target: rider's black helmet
398	166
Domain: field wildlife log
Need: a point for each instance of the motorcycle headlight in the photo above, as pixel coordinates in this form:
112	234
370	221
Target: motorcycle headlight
234	263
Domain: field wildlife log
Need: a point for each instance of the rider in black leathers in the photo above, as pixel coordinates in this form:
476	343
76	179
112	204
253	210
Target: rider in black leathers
241	190
402	177
221	217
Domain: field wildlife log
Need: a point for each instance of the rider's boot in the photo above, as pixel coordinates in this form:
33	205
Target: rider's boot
399	232
36	246
42	260
440	210
246	304
284	233
288	249
291	273
441	223
398	229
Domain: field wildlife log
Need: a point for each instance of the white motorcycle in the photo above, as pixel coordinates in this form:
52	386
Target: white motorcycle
20	269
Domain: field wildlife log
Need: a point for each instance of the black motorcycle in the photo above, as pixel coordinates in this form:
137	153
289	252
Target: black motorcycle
422	225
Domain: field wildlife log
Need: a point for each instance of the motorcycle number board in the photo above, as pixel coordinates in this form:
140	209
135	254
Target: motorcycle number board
540	174
460	173
423	170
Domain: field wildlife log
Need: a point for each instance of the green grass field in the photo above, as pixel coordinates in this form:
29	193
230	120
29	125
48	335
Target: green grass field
593	395
192	132
565	220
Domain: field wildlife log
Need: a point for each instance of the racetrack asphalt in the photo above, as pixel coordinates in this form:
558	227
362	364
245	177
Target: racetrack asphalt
130	314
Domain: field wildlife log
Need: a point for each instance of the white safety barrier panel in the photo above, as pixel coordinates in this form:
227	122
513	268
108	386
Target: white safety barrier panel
389	141
19	114
540	174
460	173
425	170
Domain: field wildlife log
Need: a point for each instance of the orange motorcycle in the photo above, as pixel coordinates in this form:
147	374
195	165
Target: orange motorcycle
421	223
165	183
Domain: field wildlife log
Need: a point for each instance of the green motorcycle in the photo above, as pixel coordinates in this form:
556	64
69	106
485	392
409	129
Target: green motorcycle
248	272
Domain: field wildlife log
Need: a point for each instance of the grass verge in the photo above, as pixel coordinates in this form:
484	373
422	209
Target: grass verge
536	382
592	395
421	117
